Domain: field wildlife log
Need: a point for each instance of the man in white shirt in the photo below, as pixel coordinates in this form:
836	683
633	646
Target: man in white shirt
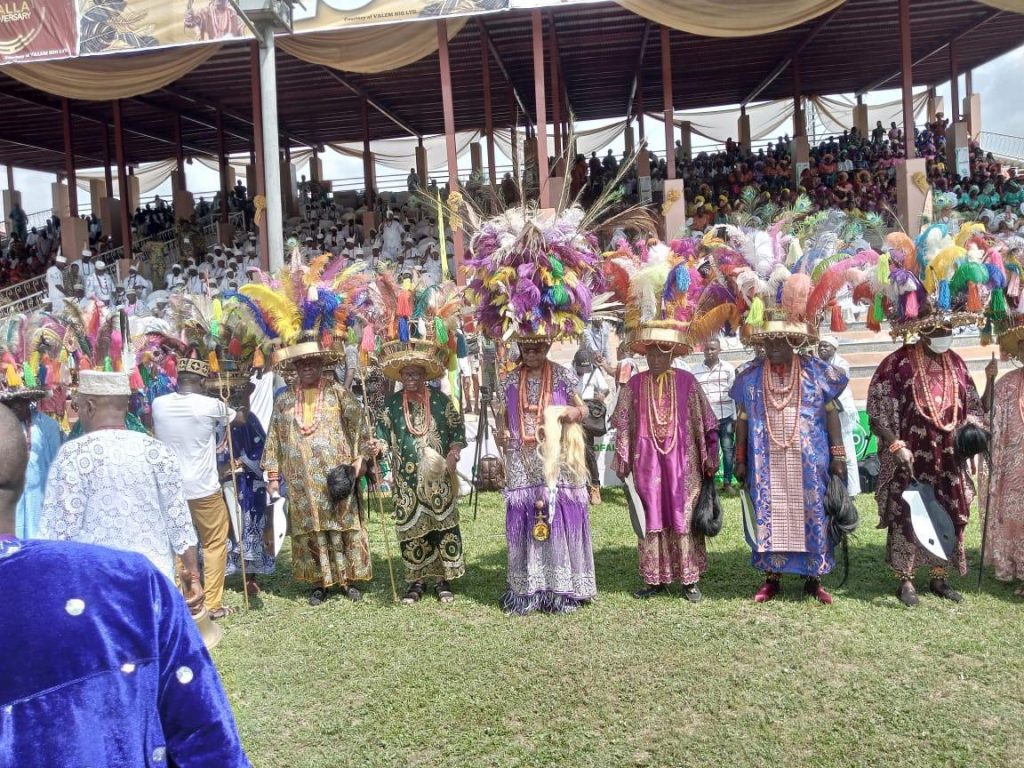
391	236
175	280
137	282
86	269
101	286
194	282
118	488
187	421
55	284
716	378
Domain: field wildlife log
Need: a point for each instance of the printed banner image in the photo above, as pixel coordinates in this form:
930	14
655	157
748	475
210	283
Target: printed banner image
37	30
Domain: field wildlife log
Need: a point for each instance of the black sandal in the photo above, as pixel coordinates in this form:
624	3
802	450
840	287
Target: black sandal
444	593
353	593
317	596
414	594
941	588
649	591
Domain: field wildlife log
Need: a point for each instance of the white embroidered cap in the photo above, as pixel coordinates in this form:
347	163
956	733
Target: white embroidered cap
103	384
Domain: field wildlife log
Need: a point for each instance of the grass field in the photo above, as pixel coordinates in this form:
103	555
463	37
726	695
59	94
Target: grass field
726	683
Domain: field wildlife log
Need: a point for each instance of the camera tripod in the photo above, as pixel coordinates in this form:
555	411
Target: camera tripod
483	433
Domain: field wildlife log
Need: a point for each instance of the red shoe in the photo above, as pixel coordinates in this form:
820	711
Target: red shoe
813	588
767	592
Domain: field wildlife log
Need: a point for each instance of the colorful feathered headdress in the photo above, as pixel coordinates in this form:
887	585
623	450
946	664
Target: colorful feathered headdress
297	312
533	274
423	332
937	281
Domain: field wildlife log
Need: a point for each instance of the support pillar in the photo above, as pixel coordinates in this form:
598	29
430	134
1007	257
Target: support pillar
540	102
447	104
629	137
640	110
69	159
686	139
369	166
476	157
316	169
97	191
422	166
556	102
179	183
11	195
958	152
907	79
954	82
743	129
666	81
125	211
255	180
860	120
972	113
59	199
911	201
273	256
801	156
799	126
485	73
936	106
222	163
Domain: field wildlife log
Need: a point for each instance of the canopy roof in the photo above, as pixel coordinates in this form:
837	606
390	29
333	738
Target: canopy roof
853	48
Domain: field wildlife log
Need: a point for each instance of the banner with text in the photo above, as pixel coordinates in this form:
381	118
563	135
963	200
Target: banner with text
37	30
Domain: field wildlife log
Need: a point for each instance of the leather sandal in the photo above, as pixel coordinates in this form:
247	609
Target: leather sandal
649	591
941	588
414	594
813	588
907	594
692	592
444	593
767	592
220	613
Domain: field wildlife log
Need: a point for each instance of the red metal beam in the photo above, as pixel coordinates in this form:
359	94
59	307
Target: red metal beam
540	104
108	176
222	164
69	158
789	57
799	129
666	91
179	156
556	91
501	67
907	67
485	72
122	181
447	104
635	88
954	82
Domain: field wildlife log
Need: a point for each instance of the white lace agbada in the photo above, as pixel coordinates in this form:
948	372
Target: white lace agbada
119	489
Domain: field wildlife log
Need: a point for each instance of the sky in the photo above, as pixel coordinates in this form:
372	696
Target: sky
997	82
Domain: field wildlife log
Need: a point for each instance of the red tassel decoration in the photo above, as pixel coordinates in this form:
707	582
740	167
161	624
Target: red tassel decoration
973	298
369	340
911	307
872	322
838	325
404	307
135	380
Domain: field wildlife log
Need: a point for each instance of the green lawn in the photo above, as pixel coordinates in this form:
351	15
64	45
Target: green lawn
725	683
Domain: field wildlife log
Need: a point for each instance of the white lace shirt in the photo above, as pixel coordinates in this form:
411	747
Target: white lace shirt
119	489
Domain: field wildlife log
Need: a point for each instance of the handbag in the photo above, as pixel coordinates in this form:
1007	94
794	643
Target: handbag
595	422
707	512
490	474
341	481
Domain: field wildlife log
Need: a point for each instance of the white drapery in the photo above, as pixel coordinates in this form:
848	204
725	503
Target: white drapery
733	18
836	112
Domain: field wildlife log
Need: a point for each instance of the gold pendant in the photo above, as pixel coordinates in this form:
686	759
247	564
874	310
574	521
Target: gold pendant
541	529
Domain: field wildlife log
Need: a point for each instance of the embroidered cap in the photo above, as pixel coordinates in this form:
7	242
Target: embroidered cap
103	383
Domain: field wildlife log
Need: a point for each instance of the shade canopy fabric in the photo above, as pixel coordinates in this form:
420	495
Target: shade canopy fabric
732	18
103	78
368	49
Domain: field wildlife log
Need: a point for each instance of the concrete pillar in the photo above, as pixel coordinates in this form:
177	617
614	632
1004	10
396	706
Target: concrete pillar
556	184
860	119
530	164
422	168
184	204
252	175
674	208
686	139
97	191
289	192
476	157
743	131
110	219
59	193
958	151
11	196
225	232
178	181
936	106
801	156
972	113
630	139
74	236
316	169
133	193
643	174
913	195
230	172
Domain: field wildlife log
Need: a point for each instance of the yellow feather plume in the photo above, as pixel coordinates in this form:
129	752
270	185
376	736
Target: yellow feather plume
316	269
967	231
942	264
707	325
279	310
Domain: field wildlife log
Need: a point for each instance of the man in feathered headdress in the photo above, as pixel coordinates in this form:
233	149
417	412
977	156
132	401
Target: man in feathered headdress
665	431
922	398
425	433
318	429
788	435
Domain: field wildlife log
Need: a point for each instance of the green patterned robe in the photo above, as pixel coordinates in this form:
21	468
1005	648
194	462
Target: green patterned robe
426	513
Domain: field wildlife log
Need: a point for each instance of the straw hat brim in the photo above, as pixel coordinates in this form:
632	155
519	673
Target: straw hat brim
286	357
396	355
23	393
677	337
801	333
950	320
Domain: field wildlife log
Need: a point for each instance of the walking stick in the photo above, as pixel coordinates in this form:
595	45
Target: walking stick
225	393
988	483
376	485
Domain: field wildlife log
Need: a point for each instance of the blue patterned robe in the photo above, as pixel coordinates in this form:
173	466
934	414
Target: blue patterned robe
103	666
820	383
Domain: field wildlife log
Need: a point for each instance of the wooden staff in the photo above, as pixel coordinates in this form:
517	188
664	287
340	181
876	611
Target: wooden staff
224	391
